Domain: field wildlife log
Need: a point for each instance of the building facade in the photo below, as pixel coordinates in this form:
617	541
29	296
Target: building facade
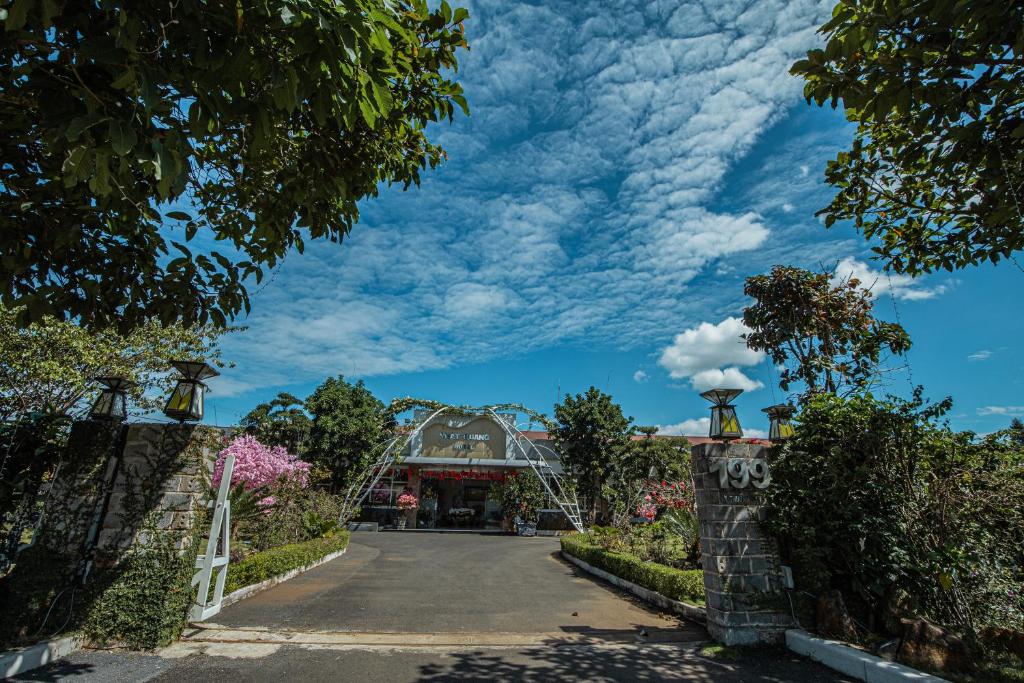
453	466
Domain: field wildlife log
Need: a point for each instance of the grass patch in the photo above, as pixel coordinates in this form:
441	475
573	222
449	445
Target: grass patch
277	561
685	585
717	651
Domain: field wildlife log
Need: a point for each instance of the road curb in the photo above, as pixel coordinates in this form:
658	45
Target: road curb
853	662
14	662
252	589
684	609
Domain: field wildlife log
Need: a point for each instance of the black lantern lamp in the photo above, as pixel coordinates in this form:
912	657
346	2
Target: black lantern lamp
186	401
779	427
112	403
724	423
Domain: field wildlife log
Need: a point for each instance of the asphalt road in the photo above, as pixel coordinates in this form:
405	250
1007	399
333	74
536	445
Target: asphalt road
440	607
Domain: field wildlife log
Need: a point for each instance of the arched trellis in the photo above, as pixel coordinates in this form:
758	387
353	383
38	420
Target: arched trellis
390	454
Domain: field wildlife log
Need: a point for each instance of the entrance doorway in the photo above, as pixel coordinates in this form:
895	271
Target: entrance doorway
459	504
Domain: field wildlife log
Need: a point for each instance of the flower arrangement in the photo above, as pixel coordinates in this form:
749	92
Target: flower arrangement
407	501
258	466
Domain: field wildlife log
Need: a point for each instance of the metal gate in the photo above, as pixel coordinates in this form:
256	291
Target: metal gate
218	552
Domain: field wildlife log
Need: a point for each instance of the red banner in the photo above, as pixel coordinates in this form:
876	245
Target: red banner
459	475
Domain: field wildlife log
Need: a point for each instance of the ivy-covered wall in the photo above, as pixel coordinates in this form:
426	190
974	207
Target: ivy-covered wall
137	588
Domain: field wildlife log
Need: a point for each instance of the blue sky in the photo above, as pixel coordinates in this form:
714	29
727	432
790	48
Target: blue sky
625	167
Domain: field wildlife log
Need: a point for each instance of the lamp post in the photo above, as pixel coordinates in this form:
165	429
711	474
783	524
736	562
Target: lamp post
725	424
186	401
112	403
779	426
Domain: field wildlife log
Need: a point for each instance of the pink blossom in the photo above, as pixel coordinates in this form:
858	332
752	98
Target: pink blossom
259	466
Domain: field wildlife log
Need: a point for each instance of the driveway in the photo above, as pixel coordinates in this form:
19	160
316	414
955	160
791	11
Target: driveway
419	606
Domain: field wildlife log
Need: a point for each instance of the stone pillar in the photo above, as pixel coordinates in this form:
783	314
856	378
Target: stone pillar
742	578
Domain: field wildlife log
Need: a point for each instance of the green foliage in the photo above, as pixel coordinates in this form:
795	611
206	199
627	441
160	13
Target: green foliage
49	365
296	515
350	426
591	434
935	170
881	501
824	333
135	136
683	585
276	561
143	603
282	422
522	495
639	462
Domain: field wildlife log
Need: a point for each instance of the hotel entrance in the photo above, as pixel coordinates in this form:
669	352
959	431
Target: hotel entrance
459	499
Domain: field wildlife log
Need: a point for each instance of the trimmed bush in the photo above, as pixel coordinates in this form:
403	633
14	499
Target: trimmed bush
685	585
276	561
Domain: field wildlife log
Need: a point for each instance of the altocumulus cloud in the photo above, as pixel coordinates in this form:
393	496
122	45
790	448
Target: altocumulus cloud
578	203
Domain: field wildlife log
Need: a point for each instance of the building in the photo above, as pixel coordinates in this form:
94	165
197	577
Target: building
453	465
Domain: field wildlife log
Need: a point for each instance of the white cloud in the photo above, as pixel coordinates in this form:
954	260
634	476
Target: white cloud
639	376
694	427
730	378
879	283
579	203
1009	411
984	354
787	207
700	354
701	426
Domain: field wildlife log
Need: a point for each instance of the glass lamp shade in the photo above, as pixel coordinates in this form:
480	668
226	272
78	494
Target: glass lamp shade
724	422
186	401
112	403
780	427
194	369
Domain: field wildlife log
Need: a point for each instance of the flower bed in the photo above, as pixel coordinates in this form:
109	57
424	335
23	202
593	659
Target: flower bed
276	561
685	585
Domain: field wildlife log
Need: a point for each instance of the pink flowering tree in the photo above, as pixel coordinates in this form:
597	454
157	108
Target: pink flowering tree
260	467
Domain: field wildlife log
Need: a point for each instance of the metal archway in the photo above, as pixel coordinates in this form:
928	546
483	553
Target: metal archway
556	486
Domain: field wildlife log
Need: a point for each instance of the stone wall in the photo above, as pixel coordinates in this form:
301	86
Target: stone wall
742	580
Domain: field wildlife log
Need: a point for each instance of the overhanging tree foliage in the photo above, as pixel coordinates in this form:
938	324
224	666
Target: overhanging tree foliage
936	169
154	157
822	332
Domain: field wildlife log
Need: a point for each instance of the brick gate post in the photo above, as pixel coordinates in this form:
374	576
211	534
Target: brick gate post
742	578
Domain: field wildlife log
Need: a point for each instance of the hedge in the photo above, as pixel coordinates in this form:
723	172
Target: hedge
276	561
685	585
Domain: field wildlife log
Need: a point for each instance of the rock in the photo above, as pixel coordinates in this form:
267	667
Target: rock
929	646
1004	638
832	618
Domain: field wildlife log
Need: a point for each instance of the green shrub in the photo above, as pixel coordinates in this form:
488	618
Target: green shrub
882	501
276	561
685	585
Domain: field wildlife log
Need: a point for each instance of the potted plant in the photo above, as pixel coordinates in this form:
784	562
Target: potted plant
406	502
522	497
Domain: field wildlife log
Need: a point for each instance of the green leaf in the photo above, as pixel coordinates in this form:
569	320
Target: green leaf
125	80
122	137
178	215
17	15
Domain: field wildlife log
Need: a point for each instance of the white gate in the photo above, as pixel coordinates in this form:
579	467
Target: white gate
220	537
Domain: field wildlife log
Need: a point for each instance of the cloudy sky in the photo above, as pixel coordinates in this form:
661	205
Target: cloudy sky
625	167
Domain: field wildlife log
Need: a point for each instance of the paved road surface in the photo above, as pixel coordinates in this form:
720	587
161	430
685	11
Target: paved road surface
439	607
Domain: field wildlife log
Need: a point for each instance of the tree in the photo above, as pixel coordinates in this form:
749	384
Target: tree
641	461
823	329
349	427
49	365
136	136
936	168
591	434
282	422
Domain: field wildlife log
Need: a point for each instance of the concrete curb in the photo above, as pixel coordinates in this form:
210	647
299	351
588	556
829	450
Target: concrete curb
685	609
24	659
252	589
853	662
